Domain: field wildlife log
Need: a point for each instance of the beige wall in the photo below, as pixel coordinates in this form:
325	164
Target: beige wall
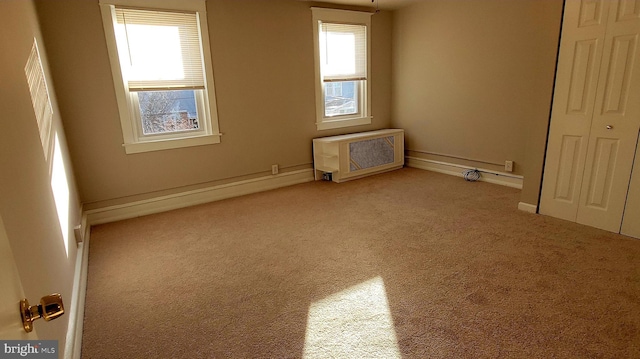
474	79
471	79
26	199
263	66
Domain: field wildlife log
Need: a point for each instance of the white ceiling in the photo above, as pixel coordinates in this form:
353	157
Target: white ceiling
383	4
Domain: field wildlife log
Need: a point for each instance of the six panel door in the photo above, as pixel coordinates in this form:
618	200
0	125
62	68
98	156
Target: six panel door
616	121
587	173
583	33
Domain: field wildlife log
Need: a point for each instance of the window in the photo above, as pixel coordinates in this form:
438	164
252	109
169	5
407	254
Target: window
161	64
343	90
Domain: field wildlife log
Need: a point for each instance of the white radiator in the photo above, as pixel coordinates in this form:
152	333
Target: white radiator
348	157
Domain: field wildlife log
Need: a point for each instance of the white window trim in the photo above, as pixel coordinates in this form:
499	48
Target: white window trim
346	17
134	142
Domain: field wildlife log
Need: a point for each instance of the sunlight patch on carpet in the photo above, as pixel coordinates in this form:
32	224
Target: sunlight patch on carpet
354	323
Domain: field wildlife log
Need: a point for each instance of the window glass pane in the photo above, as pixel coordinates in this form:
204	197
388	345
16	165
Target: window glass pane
341	98
168	111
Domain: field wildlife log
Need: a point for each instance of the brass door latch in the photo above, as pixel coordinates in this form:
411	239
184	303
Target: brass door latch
50	308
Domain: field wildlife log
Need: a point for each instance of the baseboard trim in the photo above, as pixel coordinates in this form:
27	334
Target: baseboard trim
495	177
73	345
527	207
195	197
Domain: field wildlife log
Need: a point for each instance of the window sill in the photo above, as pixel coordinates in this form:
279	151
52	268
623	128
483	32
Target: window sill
159	145
343	122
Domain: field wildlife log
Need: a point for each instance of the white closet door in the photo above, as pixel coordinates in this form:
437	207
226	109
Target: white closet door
631	219
616	120
583	35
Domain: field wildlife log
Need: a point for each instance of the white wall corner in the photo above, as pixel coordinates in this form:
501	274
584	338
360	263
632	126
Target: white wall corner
527	207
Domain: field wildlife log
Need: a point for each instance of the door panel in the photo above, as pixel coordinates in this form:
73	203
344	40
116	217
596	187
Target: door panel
602	172
591	13
582	77
628	10
11	294
618	81
566	180
583	34
616	120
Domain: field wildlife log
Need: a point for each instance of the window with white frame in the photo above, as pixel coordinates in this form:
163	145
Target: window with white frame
342	55
161	65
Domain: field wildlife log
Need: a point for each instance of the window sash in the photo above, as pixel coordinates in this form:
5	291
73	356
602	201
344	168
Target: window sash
358	89
160	50
204	127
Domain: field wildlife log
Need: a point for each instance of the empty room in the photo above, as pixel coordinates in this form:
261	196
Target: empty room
320	179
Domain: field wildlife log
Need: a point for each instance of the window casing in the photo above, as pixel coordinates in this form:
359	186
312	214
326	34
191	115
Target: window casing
161	65
342	57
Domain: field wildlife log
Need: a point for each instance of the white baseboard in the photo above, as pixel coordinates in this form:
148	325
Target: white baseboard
73	345
495	177
200	196
527	207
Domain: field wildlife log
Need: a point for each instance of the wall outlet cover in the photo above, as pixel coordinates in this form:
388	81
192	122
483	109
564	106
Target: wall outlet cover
508	166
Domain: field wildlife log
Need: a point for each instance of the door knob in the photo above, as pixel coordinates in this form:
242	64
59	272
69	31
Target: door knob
50	308
609	127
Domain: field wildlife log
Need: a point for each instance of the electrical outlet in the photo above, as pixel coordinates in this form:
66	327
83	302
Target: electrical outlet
508	166
274	169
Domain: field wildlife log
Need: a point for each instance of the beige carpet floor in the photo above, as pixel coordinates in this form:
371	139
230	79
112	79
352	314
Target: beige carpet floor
407	264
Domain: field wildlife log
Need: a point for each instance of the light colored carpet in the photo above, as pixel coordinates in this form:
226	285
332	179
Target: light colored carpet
410	264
